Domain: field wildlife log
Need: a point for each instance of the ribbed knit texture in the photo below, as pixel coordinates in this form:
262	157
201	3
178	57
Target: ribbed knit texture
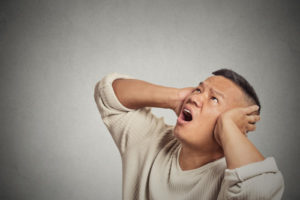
150	152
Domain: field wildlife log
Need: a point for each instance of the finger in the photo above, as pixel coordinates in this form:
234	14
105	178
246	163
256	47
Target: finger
253	118
251	127
251	109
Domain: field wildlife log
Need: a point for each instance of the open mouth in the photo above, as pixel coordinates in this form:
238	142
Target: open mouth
187	115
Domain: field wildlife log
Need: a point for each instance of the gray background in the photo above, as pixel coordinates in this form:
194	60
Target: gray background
53	144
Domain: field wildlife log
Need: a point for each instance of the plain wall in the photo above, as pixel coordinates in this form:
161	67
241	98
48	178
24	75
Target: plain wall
53	144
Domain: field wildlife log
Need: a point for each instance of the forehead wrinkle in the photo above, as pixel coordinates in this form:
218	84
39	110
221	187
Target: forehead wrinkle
217	92
214	91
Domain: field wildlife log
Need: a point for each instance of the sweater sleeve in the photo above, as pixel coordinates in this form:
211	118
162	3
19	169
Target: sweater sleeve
260	180
126	126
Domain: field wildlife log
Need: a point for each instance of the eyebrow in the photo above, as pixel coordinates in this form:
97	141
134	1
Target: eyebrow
213	90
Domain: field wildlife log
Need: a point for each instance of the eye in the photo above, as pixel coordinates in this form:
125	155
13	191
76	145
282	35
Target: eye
215	99
197	89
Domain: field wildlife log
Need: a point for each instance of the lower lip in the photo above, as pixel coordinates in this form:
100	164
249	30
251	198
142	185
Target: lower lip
180	120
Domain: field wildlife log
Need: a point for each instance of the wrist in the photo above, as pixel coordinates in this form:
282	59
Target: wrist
226	128
174	100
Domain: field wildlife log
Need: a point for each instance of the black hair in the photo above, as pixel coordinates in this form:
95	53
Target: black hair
241	82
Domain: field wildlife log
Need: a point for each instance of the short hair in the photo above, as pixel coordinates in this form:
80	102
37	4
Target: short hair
241	82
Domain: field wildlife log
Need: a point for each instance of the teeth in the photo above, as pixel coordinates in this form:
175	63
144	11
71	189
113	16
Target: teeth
186	110
187	115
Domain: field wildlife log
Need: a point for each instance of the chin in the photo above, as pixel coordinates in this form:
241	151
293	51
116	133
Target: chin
177	132
180	134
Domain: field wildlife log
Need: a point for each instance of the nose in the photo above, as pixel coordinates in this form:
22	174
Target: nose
197	100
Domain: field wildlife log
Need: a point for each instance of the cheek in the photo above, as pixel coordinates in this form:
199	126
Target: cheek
204	126
207	121
210	115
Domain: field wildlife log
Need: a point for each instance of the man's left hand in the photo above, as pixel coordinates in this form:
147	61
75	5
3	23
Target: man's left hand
243	118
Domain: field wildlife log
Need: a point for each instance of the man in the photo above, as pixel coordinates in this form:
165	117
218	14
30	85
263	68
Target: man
207	155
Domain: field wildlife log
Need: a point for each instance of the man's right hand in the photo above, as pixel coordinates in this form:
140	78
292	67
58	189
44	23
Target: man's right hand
182	94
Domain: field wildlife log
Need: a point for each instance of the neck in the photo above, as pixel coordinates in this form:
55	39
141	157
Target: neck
192	159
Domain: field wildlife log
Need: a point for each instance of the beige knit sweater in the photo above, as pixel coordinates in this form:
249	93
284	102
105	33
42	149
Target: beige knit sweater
150	152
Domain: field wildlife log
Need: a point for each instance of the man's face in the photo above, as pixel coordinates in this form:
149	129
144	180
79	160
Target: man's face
212	97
